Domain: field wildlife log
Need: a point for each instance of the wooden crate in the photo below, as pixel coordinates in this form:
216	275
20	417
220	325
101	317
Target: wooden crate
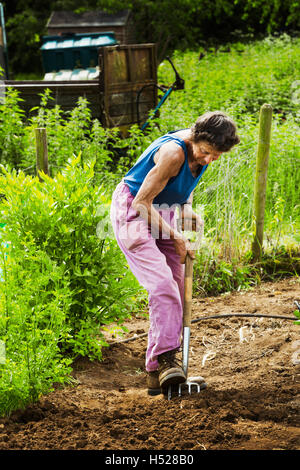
124	70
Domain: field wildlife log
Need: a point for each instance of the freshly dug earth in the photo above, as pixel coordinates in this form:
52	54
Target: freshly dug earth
251	365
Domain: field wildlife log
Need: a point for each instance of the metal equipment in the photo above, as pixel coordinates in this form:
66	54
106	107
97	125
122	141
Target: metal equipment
198	382
177	85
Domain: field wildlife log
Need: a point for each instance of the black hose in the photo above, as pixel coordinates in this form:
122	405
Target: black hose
138	98
225	315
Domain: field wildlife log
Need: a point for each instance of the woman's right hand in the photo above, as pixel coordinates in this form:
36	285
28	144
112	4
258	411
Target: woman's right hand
181	245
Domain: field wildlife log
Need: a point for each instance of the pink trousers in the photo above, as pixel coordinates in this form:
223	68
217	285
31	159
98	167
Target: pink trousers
157	267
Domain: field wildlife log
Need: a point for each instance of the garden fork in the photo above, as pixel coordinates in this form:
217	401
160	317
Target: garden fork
197	381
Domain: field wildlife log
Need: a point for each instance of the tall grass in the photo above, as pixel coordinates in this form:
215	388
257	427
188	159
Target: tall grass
238	78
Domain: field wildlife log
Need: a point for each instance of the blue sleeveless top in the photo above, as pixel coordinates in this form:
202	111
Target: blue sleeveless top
178	188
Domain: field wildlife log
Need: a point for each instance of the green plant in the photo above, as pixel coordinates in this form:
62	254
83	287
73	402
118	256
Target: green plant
13	133
62	215
297	315
34	299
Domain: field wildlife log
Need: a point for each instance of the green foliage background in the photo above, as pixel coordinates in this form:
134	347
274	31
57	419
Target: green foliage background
190	24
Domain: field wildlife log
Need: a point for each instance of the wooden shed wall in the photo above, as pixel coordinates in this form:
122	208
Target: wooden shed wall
121	32
65	94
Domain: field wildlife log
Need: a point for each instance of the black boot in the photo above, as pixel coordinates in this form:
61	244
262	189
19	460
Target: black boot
170	369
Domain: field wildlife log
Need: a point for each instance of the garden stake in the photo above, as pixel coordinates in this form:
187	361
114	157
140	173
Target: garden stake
198	381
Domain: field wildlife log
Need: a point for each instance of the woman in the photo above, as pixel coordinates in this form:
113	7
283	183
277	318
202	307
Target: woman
144	223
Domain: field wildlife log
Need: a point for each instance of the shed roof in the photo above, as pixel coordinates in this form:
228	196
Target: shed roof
88	18
78	40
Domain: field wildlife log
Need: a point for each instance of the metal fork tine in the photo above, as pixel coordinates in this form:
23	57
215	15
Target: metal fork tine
196	384
173	391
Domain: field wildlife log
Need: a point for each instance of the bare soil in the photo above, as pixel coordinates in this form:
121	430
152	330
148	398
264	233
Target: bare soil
252	401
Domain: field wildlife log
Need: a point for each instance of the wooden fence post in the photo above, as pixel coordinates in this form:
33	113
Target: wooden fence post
41	151
262	160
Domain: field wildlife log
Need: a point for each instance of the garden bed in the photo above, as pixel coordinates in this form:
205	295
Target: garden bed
252	400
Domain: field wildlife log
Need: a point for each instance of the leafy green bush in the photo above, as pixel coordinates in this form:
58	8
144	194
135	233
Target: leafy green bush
62	284
13	133
34	299
61	216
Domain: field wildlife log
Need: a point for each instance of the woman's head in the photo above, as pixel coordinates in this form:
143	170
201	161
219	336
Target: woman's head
217	129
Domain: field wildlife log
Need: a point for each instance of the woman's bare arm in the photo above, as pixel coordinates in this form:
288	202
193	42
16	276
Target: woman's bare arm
171	158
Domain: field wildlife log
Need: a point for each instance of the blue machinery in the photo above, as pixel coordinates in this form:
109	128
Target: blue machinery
177	85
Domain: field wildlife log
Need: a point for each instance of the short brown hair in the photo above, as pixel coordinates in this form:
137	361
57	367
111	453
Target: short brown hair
216	128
